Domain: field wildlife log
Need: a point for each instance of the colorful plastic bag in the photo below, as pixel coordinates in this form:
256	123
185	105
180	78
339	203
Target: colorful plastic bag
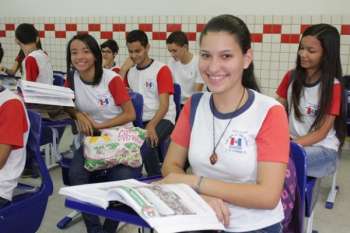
120	145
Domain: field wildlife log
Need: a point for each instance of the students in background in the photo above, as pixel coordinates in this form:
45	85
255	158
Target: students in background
312	95
153	80
184	65
237	154
109	50
101	101
36	66
14	128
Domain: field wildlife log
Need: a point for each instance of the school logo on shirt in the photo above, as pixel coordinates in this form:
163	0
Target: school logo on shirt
236	142
311	110
103	100
149	85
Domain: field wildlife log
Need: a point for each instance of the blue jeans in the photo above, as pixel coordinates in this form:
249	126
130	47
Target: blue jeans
320	161
150	155
79	175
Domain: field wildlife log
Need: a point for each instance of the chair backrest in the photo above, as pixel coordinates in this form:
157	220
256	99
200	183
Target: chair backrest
177	98
299	158
25	213
58	78
137	101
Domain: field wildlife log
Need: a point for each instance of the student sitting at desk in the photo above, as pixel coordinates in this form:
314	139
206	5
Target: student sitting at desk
237	154
13	140
36	66
101	101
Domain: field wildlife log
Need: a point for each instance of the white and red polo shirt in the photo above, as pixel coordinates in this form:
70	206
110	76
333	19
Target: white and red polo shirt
309	105
14	129
37	67
250	138
150	82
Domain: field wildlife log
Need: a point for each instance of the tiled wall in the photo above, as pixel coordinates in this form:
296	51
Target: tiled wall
275	38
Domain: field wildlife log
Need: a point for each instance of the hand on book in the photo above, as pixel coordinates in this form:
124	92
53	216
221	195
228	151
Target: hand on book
220	208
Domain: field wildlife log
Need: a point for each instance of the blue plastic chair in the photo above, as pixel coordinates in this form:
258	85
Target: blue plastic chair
26	211
306	187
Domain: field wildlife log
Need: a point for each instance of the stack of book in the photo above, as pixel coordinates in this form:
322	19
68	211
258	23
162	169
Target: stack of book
40	93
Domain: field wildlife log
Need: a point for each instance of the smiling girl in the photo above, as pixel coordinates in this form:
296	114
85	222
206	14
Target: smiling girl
237	155
312	94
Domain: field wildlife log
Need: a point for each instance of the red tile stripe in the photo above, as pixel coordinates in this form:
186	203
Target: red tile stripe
71	27
159	36
170	27
272	28
173	27
49	27
9	27
345	29
256	37
303	27
94	27
146	27
191	36
200	27
42	34
119	27
290	38
106	35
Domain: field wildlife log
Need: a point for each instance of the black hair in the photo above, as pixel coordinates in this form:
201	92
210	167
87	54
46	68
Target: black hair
330	68
112	45
26	33
137	35
92	44
239	30
178	37
1	52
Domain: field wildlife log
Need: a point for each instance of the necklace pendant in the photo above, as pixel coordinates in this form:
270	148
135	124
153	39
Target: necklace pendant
213	158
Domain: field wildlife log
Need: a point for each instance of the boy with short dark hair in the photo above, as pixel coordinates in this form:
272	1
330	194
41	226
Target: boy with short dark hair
154	81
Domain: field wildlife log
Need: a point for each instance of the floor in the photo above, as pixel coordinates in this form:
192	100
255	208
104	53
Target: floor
325	220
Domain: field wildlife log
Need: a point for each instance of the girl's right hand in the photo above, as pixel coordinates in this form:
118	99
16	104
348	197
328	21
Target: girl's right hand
84	124
220	208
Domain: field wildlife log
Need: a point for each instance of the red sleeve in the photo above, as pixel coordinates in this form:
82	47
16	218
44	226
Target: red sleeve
32	69
116	69
182	131
67	83
165	81
118	91
336	100
273	142
13	121
283	87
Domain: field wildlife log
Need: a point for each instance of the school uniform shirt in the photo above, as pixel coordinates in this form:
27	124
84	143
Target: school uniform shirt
102	101
309	105
150	82
186	75
251	137
37	67
14	128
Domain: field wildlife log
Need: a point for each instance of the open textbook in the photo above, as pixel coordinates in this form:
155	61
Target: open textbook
40	93
166	208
